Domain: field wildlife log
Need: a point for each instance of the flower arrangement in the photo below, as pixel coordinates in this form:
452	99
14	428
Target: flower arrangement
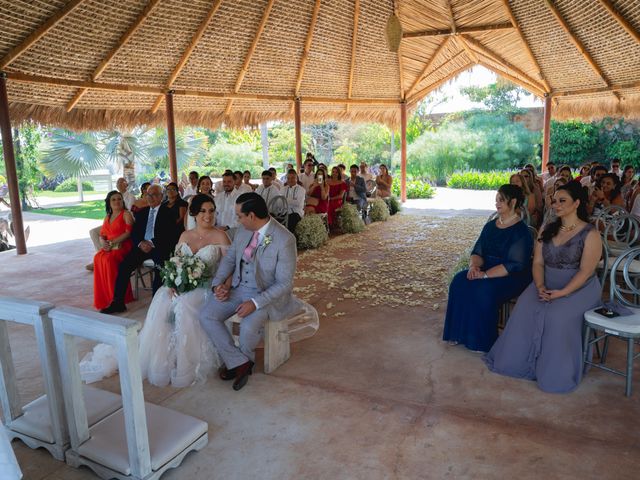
394	204
349	219
379	211
311	232
184	273
461	264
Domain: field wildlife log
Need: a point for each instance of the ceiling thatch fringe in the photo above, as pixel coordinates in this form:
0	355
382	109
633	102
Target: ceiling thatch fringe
597	108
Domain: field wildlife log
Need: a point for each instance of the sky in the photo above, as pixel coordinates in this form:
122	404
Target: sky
477	76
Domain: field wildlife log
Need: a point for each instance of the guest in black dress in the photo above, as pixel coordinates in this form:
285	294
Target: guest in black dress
176	206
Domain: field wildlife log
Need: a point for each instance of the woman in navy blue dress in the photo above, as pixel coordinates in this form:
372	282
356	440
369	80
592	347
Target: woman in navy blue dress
499	270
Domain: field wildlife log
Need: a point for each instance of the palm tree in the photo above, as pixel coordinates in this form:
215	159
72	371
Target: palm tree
189	145
126	149
71	154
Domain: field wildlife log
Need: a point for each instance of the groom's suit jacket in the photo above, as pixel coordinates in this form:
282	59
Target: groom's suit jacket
275	267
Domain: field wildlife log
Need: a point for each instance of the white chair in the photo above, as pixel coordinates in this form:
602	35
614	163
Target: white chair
621	233
145	270
602	219
625	327
279	209
41	423
140	441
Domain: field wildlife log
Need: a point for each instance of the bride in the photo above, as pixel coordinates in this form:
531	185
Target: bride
173	347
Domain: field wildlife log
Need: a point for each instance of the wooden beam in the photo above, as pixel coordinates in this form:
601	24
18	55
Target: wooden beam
187	53
461	41
591	91
12	173
428	65
577	43
298	132
354	40
121	43
116	87
428	89
38	33
307	47
624	23
460	30
171	137
445	63
546	132
403	93
452	18
527	48
403	152
252	49
502	61
536	91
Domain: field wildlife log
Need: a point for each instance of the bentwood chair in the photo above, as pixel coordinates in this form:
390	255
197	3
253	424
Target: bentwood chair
624	327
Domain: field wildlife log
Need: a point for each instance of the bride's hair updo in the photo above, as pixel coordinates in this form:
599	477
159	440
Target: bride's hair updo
196	203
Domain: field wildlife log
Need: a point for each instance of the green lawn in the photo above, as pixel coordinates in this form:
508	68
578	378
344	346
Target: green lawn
93	209
52	194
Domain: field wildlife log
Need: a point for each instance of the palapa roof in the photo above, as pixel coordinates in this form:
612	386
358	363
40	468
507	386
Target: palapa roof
93	64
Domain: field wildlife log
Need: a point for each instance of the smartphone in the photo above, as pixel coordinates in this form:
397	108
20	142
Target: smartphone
320	178
605	312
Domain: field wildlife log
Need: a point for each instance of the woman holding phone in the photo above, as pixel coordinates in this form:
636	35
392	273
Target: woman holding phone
318	196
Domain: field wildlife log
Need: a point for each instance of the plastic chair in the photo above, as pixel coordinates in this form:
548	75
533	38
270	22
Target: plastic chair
625	327
145	270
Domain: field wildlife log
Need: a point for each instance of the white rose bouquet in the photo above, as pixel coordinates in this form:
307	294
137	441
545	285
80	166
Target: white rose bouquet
184	273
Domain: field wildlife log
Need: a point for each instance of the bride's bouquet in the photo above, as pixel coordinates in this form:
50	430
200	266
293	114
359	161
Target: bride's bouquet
184	273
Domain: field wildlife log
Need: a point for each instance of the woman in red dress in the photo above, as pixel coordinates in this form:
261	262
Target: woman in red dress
318	194
114	237
337	187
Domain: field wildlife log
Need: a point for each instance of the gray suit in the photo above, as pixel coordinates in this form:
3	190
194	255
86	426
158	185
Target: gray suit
268	280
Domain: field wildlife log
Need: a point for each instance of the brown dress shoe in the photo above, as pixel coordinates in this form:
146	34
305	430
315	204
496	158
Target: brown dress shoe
226	374
242	375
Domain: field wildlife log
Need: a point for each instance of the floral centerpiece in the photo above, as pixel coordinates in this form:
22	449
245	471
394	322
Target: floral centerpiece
184	273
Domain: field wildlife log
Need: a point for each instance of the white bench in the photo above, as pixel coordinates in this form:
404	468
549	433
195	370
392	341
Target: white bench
142	440
40	423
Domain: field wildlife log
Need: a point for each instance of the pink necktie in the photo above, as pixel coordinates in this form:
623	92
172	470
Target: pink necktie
251	248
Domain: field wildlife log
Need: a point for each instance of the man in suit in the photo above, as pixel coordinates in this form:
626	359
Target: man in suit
254	280
357	192
153	236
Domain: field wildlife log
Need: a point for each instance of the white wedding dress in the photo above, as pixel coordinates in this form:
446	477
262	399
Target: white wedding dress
173	347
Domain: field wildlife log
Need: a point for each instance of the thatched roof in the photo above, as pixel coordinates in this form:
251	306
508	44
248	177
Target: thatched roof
104	63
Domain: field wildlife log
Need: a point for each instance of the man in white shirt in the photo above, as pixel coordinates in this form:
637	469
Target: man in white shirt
615	168
307	177
127	196
226	203
295	195
549	176
590	181
283	177
241	187
218	187
364	172
274	176
268	189
192	188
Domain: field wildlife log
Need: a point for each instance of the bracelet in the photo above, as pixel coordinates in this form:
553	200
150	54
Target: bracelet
485	275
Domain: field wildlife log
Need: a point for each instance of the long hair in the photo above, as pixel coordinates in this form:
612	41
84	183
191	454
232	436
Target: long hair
107	201
204	177
576	192
528	179
617	185
523	184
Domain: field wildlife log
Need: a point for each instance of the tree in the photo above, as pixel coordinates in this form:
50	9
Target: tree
499	97
71	154
190	146
126	149
27	142
572	142
282	143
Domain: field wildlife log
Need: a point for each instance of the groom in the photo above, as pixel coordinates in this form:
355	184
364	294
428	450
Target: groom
254	280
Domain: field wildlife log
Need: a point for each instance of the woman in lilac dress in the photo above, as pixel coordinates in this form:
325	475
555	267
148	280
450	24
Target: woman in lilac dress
543	337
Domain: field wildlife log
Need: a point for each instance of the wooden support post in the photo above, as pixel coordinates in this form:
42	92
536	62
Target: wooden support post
171	136
10	165
546	136
403	152
298	131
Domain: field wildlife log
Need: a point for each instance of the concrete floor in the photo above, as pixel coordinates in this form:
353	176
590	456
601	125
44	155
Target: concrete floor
375	394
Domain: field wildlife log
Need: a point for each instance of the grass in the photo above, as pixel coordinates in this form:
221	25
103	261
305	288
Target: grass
52	194
93	209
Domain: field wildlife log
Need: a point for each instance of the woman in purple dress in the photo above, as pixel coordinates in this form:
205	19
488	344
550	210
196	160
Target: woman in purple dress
543	338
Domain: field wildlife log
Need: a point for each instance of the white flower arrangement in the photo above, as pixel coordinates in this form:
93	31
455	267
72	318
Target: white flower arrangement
184	273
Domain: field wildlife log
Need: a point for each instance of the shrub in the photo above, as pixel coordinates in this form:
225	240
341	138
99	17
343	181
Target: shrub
379	211
415	188
3	180
349	220
479	180
311	232
572	142
394	205
71	185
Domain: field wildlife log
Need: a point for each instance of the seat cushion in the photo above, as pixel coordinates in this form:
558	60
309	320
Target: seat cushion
170	432
627	324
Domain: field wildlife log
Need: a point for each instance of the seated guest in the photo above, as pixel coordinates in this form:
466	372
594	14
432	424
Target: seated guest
615	168
191	189
240	186
584	172
246	179
543	338
283	177
343	171
267	190
153	237
528	175
295	195
356	188
383	183
628	183
116	244
529	197
307	176
605	193
176	206
141	202
205	186
336	194
548	177
499	270
226	204
364	172
318	194
274	175
548	202
595	173
217	187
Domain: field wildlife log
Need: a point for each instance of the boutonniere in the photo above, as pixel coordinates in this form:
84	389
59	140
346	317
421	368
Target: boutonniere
267	240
